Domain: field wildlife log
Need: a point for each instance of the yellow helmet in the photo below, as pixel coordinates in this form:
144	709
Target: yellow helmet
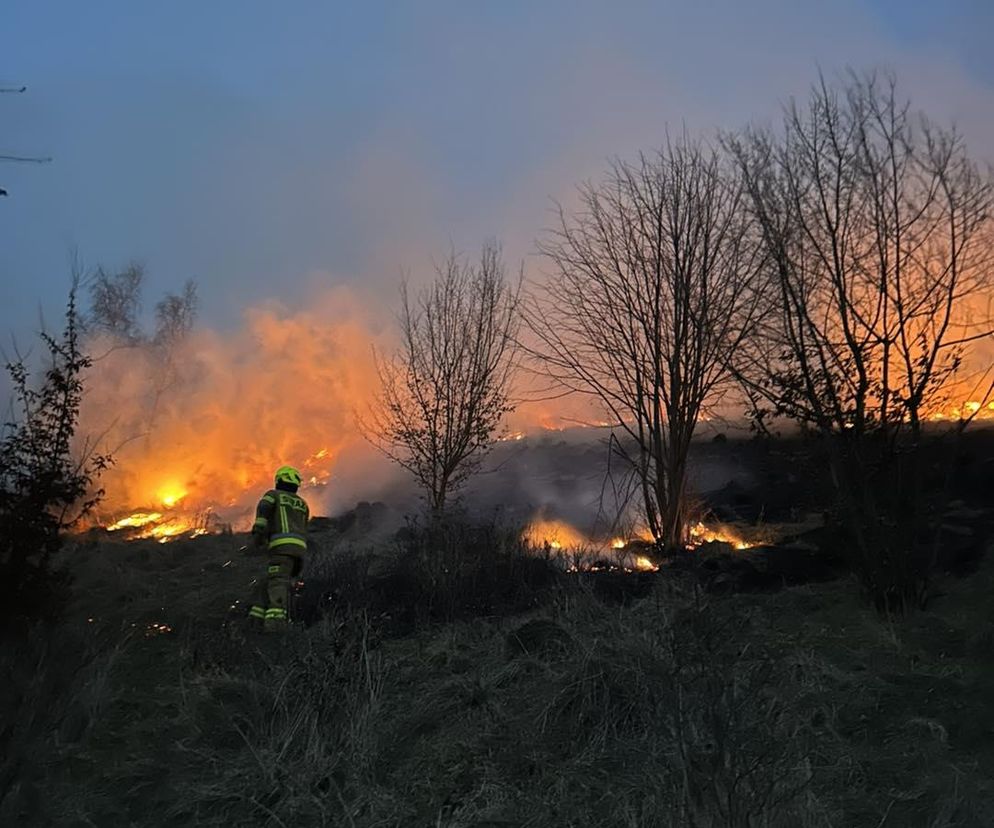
288	474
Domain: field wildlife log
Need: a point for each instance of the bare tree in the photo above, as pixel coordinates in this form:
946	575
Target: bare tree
652	287
175	314
115	314
446	390
116	308
876	227
116	303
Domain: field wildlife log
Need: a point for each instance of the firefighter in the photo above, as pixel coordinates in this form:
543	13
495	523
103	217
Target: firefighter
281	527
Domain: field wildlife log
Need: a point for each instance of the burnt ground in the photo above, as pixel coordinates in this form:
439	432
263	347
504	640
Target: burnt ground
775	493
732	479
151	703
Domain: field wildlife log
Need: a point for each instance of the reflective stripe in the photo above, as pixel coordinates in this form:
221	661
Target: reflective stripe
275	612
287	540
257	612
261	522
269	498
274	569
283	520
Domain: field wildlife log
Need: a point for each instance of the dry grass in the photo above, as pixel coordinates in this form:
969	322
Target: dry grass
799	708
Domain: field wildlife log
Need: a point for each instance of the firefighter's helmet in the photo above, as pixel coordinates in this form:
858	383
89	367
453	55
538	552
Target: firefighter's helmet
288	474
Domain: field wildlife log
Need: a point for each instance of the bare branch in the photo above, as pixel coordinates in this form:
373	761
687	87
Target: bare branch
652	289
446	391
876	229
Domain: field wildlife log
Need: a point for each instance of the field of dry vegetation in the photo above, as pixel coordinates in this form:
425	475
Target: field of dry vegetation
454	682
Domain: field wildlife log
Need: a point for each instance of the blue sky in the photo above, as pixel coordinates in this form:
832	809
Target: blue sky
267	148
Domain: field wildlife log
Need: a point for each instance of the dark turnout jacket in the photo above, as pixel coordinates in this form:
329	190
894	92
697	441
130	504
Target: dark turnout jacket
281	522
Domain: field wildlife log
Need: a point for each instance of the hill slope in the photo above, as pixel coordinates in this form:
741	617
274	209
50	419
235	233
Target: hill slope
151	704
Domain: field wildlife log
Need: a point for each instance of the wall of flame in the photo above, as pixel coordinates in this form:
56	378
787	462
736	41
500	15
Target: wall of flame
205	424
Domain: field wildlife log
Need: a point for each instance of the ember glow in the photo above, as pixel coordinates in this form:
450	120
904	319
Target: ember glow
559	536
971	408
136	520
554	534
514	436
155	628
564	539
161	527
700	534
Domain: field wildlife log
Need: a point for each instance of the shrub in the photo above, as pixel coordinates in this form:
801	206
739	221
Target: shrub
43	486
447	571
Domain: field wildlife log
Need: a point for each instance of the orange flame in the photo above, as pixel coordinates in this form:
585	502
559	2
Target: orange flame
643	564
556	534
138	519
971	408
205	425
699	534
170	496
158	526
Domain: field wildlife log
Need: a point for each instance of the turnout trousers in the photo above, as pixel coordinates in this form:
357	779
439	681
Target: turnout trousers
271	602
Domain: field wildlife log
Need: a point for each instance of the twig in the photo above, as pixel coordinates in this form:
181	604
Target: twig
886	814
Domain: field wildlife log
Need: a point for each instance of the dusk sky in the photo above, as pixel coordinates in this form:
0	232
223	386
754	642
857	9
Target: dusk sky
266	148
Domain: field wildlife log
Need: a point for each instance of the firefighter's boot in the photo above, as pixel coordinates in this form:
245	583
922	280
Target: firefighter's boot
256	616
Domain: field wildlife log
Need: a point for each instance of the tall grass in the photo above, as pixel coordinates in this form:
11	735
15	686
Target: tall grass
433	574
795	709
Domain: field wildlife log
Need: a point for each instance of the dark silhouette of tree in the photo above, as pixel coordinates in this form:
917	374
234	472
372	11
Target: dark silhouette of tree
446	390
876	228
116	304
652	288
114	317
46	482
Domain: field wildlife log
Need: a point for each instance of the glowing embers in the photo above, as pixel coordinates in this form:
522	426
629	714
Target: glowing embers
579	552
137	520
155	628
317	468
164	524
701	534
970	409
555	535
177	527
643	564
162	527
513	437
638	536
